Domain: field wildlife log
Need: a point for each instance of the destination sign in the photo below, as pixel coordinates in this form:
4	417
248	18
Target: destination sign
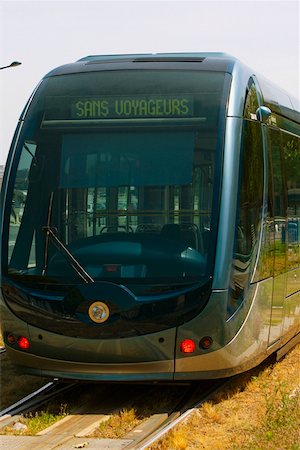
114	107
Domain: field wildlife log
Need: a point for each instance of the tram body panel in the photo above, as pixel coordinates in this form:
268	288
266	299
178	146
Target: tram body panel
291	322
132	359
72	370
148	348
247	347
226	230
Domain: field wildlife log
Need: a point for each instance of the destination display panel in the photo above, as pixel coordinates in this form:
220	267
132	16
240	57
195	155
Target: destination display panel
120	107
133	106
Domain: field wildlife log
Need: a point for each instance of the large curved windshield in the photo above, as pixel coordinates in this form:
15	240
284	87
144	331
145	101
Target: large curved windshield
116	177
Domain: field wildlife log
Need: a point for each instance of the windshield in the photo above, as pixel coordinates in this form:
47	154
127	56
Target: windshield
116	177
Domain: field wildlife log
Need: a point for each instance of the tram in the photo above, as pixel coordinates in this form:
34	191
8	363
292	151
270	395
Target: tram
150	221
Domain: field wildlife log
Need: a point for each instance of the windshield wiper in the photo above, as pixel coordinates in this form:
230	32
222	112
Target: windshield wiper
30	152
51	236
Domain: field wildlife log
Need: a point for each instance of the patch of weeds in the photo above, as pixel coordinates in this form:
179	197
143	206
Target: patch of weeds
176	439
117	425
38	421
282	417
281	422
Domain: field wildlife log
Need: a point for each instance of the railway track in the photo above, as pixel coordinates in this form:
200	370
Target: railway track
190	406
74	430
34	400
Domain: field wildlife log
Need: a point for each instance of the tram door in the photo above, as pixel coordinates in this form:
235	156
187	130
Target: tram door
280	241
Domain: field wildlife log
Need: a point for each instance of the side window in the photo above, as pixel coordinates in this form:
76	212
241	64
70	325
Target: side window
265	264
291	155
249	212
280	207
25	172
251	101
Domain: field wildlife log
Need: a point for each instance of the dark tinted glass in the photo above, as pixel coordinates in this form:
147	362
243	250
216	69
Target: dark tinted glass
291	155
251	102
120	167
249	215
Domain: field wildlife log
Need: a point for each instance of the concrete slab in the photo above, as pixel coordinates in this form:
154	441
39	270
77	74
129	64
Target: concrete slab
96	444
38	443
18	442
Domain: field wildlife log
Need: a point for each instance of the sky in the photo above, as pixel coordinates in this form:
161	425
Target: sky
44	34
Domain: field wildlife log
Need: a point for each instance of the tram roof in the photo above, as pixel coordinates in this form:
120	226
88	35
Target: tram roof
205	61
211	61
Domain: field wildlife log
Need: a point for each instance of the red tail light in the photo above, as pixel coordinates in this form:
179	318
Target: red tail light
187	346
23	342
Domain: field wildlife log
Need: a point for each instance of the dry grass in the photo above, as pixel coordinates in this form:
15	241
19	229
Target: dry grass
121	423
265	415
118	425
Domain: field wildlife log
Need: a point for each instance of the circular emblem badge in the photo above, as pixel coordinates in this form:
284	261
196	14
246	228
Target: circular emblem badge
99	312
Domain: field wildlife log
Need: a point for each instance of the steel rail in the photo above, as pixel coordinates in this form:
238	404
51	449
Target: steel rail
177	416
36	398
